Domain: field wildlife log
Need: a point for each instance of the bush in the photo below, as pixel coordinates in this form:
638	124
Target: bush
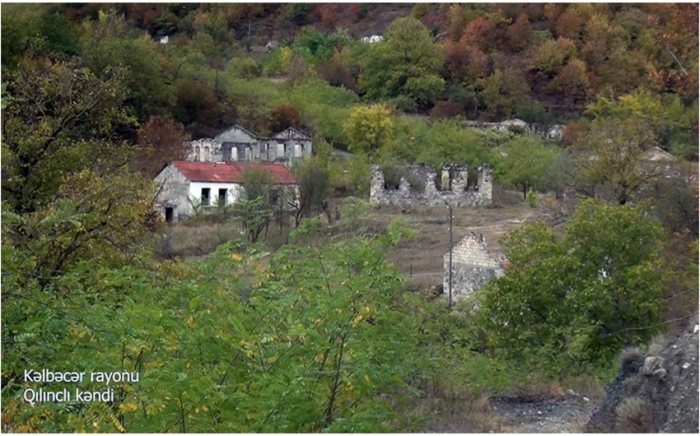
634	415
299	13
575	300
531	198
420	10
392	175
415	182
403	103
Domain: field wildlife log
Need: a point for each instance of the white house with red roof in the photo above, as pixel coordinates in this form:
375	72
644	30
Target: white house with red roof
184	186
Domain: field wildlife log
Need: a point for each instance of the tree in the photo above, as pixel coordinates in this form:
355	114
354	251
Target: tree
476	33
549	57
665	118
505	92
54	125
197	108
525	162
614	154
597	37
578	298
162	141
369	128
519	33
571	80
465	63
35	30
284	116
455	21
450	143
337	70
256	209
105	43
314	189
569	25
406	62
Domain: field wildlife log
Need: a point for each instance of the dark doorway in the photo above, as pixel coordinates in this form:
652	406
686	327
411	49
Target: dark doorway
222	196
168	214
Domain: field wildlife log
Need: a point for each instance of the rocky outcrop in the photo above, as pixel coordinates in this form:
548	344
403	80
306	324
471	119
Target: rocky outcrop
656	390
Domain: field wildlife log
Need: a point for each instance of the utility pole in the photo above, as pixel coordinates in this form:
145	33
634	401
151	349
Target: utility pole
449	280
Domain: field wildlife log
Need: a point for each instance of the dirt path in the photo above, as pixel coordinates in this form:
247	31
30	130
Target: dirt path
420	259
566	414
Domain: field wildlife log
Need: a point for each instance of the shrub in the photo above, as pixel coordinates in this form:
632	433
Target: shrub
420	10
634	415
415	182
560	294
531	198
403	103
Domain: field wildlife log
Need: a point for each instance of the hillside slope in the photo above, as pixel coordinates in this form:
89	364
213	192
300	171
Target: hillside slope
655	391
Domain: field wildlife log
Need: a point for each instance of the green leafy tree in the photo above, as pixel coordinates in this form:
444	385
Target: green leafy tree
369	128
314	189
669	120
549	57
105	43
571	80
525	162
57	115
31	31
578	298
616	154
406	63
450	143
257	208
505	92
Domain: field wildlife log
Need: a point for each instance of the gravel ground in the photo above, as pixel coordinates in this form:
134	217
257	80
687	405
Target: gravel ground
566	414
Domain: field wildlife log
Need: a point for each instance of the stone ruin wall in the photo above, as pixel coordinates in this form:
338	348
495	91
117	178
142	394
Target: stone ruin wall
472	267
454	180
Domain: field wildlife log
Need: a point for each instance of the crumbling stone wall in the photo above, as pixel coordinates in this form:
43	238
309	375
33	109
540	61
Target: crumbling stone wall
423	188
472	267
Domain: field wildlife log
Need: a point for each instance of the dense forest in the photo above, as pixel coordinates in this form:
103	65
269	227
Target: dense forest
320	333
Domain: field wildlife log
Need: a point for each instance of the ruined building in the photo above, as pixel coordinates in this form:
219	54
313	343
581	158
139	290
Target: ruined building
419	185
472	266
237	144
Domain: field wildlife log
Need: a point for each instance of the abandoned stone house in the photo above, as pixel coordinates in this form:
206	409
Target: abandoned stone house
419	185
237	144
188	187
472	266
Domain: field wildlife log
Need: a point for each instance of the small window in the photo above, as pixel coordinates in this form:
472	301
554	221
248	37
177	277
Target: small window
168	214
222	196
205	196
196	153
207	155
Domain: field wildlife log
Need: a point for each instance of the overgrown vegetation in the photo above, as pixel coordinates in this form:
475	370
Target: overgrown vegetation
316	331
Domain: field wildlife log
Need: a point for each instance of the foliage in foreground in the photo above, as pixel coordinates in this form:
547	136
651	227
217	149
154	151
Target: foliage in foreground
311	342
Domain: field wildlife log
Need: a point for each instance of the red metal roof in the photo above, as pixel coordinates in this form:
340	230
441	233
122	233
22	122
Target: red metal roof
232	172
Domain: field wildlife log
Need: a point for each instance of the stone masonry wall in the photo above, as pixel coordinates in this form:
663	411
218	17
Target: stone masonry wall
472	267
456	194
